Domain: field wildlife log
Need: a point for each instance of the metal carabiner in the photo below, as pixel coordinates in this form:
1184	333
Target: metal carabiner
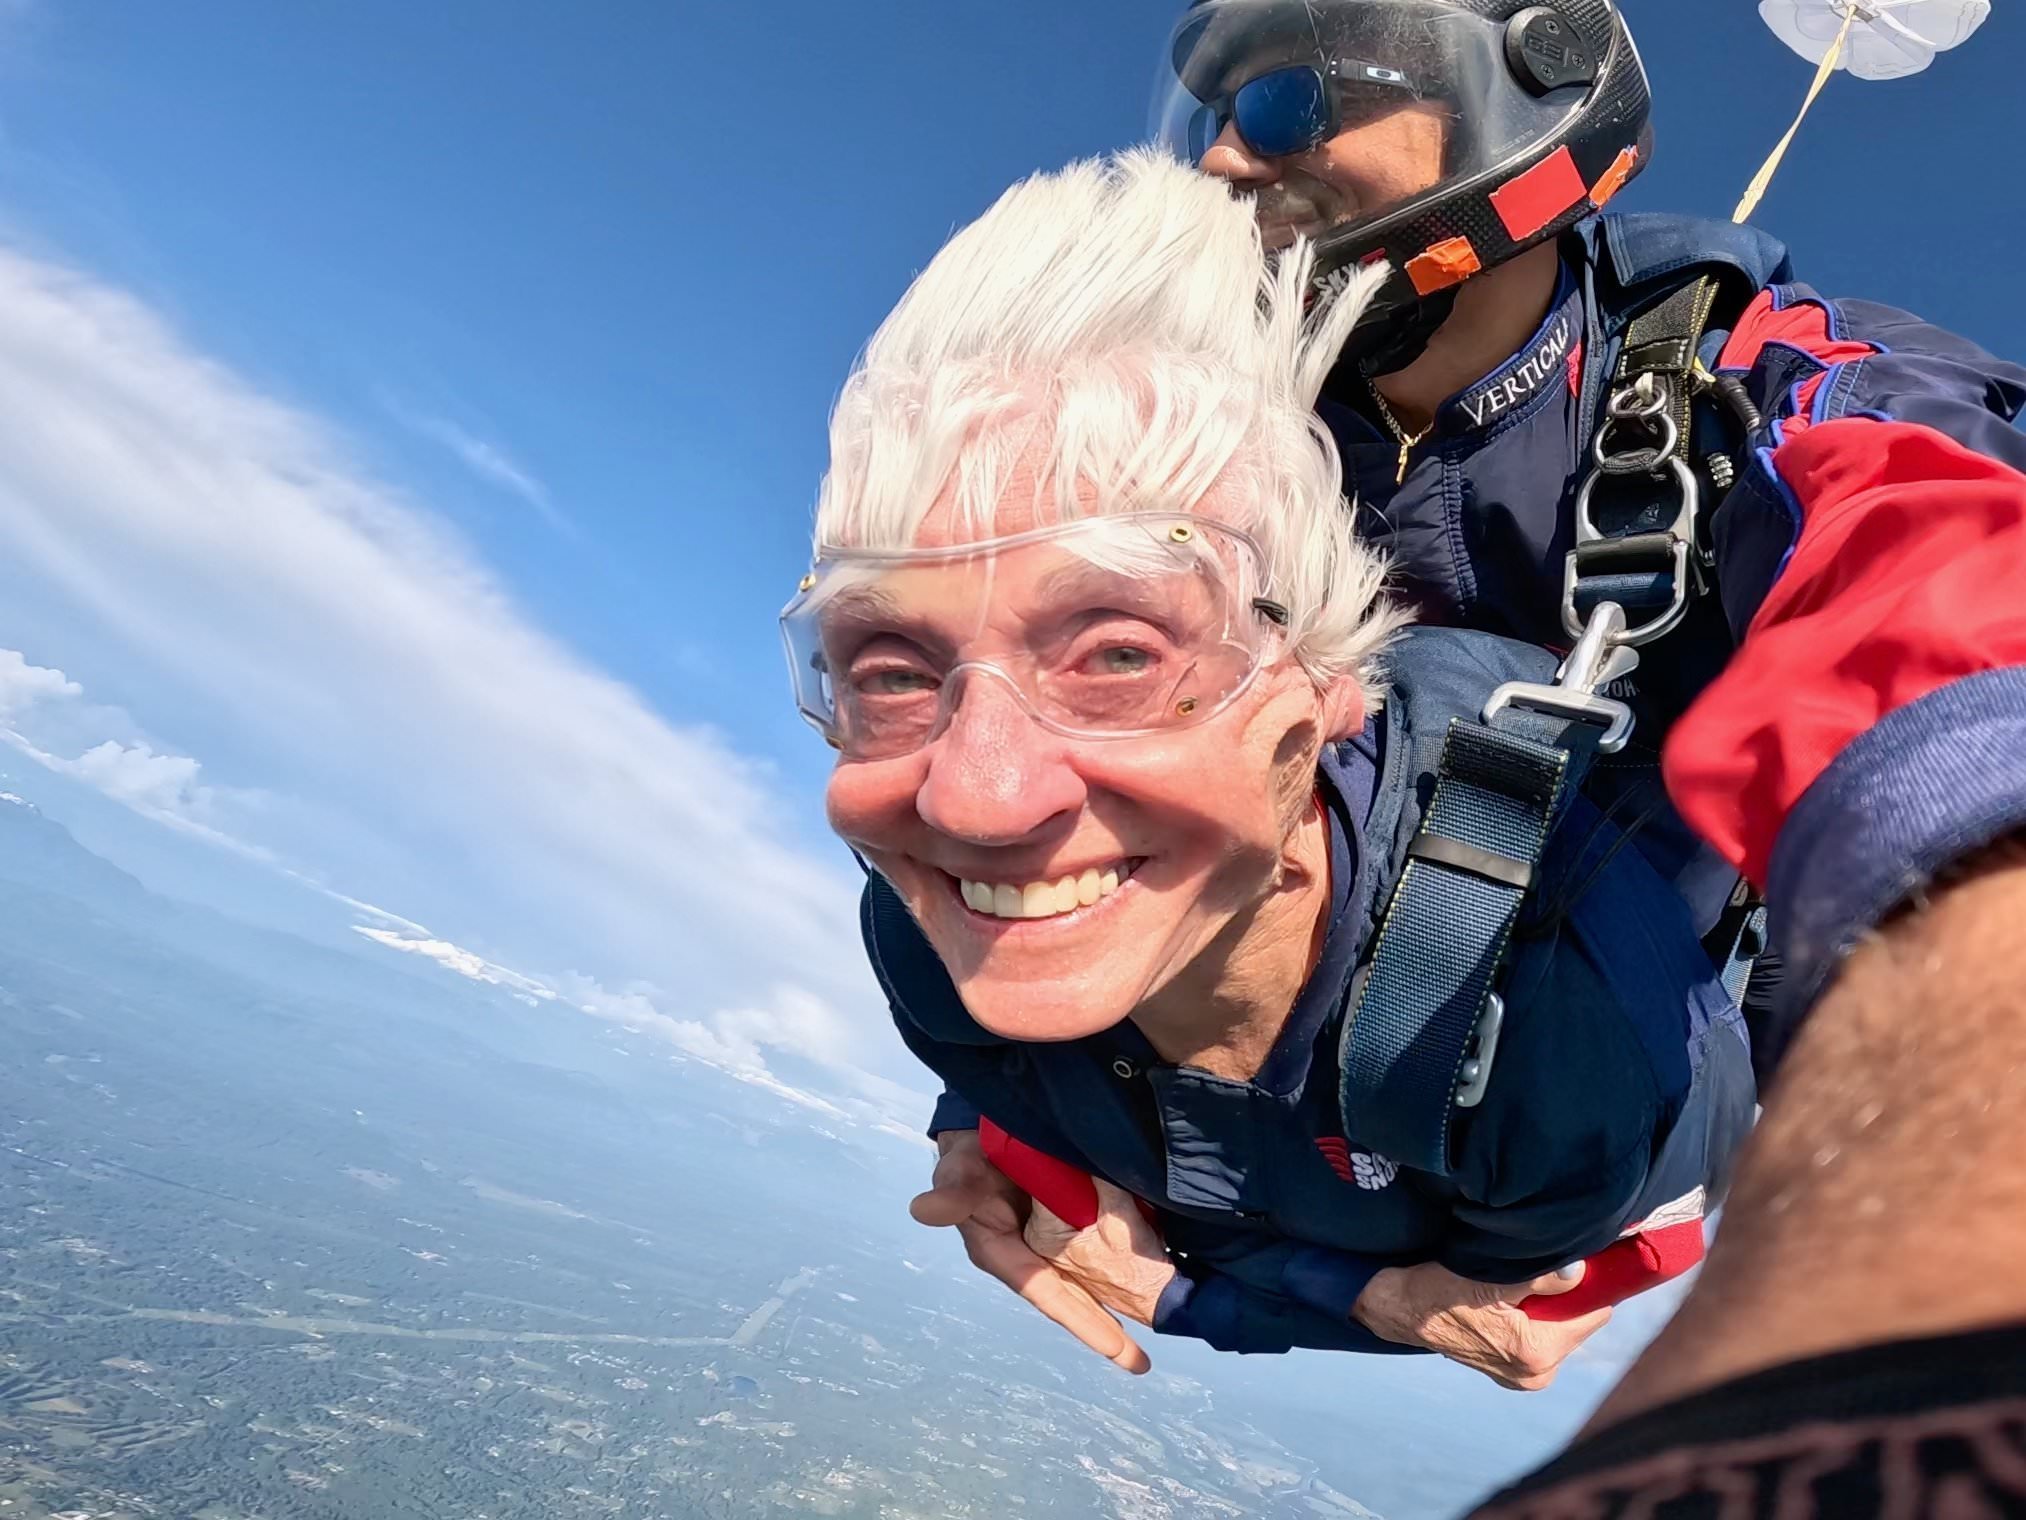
1603	654
1669	549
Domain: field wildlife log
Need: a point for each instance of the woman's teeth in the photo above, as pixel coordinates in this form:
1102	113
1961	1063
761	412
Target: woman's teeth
1044	899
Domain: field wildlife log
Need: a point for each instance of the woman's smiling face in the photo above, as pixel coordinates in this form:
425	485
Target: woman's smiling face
1065	879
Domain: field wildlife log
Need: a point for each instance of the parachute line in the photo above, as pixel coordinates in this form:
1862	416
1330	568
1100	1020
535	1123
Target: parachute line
1756	190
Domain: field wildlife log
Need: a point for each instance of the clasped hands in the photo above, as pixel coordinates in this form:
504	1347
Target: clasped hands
1090	1280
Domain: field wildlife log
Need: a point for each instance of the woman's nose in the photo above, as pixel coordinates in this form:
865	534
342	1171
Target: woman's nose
1229	159
995	776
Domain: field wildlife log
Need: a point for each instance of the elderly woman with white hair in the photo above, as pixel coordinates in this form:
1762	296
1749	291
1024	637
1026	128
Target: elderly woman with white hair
1190	871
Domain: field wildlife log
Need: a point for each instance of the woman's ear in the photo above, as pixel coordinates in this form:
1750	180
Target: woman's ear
1343	708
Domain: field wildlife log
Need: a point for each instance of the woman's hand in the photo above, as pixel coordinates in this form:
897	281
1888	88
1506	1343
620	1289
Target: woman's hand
970	1194
1477	1324
1119	1261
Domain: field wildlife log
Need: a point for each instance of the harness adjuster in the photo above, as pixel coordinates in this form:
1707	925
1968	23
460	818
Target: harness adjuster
1669	550
1641	445
1604	653
1473	1078
1441	850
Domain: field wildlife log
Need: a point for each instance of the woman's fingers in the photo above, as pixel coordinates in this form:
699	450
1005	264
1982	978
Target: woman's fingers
967	1186
1008	1258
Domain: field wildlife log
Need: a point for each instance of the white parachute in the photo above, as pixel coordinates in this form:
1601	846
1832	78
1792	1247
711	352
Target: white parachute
1872	39
1882	39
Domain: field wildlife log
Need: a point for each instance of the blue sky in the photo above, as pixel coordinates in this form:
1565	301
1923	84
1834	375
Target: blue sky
568	290
632	247
410	417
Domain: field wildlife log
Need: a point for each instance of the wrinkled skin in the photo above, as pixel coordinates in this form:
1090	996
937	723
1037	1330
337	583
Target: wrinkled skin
991	1216
1089	1280
1478	1324
1210	936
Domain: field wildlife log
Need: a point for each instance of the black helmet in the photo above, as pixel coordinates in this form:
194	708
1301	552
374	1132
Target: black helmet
1527	118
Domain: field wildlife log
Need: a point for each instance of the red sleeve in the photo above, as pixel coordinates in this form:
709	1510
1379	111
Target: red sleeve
1909	573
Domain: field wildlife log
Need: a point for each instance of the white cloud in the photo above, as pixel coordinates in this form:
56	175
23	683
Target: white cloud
163	787
22	685
736	1041
365	909
226	563
457	958
489	462
146	781
166	788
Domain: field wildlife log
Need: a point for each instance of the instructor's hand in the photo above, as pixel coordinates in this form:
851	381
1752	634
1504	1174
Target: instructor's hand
1477	1324
989	1213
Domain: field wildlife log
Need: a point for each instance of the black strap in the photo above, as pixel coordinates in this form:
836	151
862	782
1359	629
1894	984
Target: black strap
1422	1036
1638	534
1662	341
1637	510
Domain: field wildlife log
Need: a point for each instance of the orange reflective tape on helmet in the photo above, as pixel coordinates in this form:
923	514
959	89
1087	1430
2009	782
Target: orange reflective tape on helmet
1449	262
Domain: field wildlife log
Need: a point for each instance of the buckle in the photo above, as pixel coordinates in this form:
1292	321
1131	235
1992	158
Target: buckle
1608	713
1666	551
1643	407
1604	652
1473	1078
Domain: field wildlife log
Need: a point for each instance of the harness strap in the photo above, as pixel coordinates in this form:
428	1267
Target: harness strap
1662	341
1638	533
1421	1040
1737	939
1636	511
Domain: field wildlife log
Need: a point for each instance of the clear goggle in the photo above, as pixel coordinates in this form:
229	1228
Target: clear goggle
1107	627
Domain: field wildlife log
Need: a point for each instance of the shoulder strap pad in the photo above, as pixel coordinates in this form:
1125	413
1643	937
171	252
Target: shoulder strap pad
1640	254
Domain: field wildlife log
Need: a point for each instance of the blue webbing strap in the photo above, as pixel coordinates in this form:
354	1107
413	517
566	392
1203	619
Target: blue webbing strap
1499	787
1747	944
1644	591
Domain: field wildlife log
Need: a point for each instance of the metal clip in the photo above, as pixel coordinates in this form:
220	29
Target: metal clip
1473	1079
1603	654
1645	407
1670	547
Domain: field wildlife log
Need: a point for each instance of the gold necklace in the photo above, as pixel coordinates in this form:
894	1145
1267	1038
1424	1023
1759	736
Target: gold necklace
1408	442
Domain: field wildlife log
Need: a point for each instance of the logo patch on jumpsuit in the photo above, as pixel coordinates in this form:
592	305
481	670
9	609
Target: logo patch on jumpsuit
1545	361
1368	1171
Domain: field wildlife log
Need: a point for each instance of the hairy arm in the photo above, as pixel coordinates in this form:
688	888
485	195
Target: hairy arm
1884	1194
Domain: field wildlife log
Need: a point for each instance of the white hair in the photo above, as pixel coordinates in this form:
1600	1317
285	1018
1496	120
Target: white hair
1117	327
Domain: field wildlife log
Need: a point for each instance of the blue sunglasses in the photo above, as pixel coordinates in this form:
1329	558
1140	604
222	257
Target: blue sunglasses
1289	110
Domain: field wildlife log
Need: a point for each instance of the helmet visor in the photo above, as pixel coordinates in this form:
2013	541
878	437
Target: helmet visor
1106	627
1366	109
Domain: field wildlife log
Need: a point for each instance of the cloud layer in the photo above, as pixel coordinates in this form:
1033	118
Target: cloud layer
490	462
420	740
39	706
